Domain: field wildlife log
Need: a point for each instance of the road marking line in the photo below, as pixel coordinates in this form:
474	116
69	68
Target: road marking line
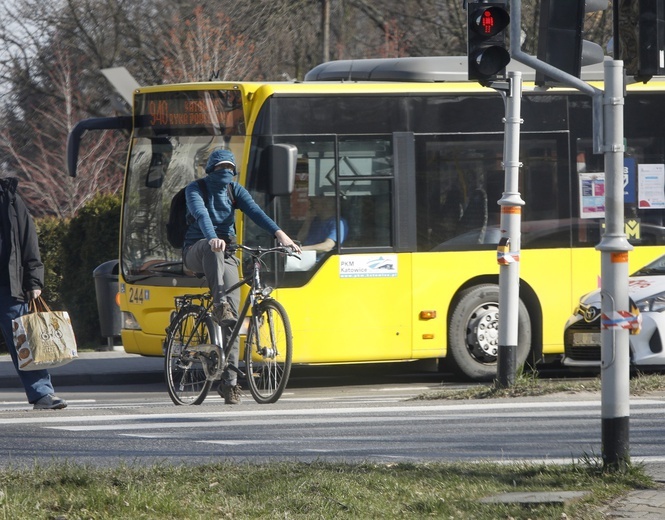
547	407
69	401
222	422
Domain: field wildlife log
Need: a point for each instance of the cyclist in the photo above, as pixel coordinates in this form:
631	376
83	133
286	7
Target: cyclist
212	228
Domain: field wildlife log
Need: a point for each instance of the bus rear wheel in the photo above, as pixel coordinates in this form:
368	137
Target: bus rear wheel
473	333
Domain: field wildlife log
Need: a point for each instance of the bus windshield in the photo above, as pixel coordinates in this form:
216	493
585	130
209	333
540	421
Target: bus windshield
175	134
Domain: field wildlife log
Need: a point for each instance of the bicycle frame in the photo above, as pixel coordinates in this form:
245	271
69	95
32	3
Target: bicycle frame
256	295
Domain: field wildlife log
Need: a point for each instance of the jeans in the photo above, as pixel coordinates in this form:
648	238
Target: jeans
37	383
220	271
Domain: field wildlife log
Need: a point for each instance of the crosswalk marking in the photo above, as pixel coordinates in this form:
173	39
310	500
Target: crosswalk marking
254	415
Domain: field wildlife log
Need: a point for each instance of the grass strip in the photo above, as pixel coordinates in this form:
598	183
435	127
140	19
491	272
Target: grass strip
529	385
318	490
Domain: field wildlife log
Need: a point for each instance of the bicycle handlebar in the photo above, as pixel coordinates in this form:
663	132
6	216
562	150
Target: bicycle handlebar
259	251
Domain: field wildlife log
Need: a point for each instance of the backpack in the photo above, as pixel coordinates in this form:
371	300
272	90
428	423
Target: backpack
176	226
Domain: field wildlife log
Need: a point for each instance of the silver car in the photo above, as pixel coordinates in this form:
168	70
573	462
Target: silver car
646	288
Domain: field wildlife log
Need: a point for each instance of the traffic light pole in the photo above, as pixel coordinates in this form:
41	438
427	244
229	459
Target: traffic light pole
615	314
487	59
509	245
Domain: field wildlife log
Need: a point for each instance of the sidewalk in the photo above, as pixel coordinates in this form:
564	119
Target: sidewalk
643	504
112	367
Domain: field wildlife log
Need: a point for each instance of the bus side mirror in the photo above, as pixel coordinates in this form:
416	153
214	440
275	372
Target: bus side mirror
282	160
95	123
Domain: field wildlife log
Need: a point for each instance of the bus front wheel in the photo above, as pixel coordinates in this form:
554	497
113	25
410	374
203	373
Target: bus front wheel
473	333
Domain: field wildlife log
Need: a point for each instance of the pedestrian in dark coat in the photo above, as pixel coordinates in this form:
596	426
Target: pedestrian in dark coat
21	280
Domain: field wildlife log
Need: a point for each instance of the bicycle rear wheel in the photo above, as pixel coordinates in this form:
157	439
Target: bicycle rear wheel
268	352
185	377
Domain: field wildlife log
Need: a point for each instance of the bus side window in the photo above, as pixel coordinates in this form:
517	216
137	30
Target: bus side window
383	221
540	179
366	207
475	216
368	219
349	212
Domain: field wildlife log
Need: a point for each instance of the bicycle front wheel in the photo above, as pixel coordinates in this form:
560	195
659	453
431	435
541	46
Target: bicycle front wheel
268	352
185	377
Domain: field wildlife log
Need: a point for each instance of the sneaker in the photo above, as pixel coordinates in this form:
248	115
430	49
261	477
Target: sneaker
50	402
223	314
230	393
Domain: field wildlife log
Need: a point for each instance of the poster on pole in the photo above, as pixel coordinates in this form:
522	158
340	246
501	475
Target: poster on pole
592	195
651	186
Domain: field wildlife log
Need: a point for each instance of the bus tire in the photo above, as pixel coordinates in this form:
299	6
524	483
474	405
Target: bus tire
473	339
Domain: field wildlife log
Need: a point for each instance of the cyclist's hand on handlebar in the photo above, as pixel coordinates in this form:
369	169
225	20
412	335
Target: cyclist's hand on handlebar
217	245
286	241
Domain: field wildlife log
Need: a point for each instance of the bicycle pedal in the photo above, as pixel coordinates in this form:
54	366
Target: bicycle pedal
236	370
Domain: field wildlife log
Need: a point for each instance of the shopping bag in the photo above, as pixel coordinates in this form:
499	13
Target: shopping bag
44	338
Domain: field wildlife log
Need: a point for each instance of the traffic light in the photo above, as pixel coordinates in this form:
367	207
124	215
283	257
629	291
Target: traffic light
639	32
560	42
486	30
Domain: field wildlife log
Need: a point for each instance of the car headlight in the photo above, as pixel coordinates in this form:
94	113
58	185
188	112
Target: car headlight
655	303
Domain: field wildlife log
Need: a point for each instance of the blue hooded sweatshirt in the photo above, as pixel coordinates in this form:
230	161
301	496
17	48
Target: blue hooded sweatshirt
217	220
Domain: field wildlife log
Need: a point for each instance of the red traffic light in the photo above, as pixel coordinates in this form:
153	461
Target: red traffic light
488	21
486	31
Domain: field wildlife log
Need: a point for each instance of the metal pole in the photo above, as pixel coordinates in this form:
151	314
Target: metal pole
509	245
325	30
614	247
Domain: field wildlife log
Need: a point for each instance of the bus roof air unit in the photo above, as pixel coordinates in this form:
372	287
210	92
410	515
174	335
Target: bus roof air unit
425	69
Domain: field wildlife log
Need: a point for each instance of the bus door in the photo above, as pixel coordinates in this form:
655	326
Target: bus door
351	297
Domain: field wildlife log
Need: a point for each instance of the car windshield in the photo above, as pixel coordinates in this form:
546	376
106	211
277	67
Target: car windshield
656	268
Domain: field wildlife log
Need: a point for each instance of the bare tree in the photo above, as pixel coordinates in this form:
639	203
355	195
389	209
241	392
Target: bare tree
203	47
286	33
39	160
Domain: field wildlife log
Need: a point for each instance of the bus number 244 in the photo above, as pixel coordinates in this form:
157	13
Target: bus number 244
138	296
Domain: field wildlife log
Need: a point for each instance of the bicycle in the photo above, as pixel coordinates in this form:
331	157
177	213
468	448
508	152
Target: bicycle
195	358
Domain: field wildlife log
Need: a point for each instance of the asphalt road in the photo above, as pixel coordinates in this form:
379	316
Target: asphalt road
366	420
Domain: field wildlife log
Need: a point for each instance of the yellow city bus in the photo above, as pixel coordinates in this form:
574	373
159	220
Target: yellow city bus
413	164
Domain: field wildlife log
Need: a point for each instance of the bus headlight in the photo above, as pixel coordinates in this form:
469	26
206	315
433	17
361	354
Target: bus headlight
129	321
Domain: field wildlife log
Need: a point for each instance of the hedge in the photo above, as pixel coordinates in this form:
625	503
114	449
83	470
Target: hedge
71	250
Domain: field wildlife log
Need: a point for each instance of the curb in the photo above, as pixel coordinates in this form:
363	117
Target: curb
93	369
92	379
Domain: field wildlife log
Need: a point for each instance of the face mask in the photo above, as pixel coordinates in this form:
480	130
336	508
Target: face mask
224	175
